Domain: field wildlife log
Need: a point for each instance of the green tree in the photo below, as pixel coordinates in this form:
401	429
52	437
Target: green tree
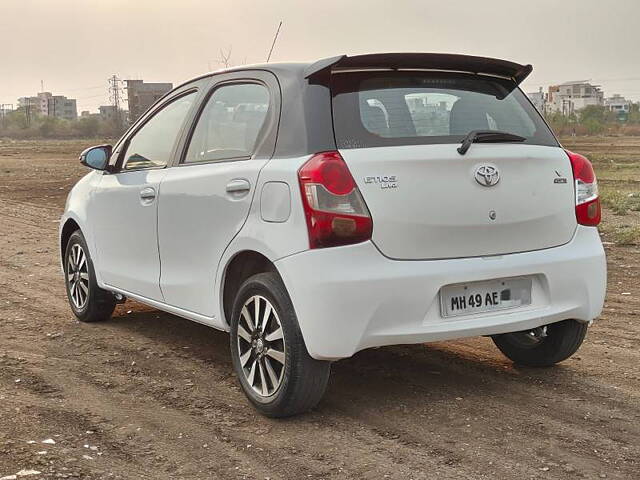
87	127
634	113
596	113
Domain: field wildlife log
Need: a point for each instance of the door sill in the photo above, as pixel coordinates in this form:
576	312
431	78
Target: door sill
180	312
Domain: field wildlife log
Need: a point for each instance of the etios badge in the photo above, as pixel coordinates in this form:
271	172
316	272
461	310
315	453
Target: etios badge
487	175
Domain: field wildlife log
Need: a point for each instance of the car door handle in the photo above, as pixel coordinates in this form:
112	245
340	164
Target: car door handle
238	186
147	195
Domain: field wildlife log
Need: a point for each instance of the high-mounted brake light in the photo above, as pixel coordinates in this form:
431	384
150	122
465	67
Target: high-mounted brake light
334	208
588	210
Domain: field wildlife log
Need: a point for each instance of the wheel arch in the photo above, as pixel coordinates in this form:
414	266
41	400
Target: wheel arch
69	226
242	265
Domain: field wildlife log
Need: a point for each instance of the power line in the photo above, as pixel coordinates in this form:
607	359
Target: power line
83	88
92	96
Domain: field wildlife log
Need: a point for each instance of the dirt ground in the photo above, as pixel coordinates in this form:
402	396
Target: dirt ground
149	395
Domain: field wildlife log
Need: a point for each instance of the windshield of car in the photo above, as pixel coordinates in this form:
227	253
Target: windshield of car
373	109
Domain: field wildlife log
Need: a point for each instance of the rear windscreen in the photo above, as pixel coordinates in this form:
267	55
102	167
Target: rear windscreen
373	109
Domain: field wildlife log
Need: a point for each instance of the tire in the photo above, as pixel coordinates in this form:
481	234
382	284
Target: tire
543	346
88	302
285	381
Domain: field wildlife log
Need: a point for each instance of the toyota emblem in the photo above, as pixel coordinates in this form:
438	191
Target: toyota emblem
487	175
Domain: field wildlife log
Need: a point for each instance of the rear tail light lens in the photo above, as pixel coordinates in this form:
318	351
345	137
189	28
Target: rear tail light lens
334	208
588	210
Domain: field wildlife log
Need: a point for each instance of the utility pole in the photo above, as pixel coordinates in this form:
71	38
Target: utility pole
114	96
27	111
3	112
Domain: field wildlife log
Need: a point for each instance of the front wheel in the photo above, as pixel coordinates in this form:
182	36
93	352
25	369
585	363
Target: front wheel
88	301
269	355
543	346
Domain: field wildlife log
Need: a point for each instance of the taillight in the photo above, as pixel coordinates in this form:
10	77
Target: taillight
588	211
335	210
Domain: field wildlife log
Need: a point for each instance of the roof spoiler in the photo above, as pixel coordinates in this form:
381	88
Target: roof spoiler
431	61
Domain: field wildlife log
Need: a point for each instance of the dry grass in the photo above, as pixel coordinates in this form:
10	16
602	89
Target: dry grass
617	164
619	201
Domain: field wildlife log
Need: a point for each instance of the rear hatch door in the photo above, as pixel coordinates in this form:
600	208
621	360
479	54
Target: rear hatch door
398	132
429	202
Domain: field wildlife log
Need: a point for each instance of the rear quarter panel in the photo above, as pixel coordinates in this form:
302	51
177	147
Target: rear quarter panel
274	240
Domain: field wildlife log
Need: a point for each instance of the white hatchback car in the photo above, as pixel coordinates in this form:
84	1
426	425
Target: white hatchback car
315	210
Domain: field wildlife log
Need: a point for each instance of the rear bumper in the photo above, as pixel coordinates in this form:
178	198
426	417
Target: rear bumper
351	298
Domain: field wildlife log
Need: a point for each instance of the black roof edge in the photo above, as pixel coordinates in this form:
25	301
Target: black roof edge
436	61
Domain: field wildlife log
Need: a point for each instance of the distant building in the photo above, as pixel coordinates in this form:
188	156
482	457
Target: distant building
34	105
47	104
62	107
539	100
569	97
5	109
107	112
142	95
618	104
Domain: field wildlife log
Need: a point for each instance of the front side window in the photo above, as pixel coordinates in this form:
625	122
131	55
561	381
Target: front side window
230	123
151	146
408	108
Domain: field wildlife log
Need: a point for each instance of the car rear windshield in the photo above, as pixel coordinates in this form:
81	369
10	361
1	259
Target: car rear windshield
375	109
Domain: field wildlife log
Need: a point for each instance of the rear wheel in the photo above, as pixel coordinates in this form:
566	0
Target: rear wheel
543	346
269	355
89	302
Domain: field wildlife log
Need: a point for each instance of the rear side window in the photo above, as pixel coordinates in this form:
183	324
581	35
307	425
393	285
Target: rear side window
373	109
230	123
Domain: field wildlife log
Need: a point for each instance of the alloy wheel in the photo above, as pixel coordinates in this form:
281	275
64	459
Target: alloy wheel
261	346
78	276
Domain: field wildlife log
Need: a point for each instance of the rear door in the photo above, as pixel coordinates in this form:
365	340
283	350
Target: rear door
399	132
205	199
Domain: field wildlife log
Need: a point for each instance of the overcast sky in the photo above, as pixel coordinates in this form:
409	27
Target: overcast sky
73	46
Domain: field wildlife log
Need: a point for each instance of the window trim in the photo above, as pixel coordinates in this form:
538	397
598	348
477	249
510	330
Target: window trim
201	108
119	165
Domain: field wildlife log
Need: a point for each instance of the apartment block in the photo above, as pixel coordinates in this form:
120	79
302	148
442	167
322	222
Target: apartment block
47	104
141	95
569	97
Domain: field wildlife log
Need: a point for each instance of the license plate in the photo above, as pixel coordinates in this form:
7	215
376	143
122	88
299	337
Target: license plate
487	296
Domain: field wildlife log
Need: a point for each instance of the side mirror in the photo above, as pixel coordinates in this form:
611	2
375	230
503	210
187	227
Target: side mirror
96	157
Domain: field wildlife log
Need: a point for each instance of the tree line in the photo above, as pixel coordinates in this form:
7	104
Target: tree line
16	124
595	120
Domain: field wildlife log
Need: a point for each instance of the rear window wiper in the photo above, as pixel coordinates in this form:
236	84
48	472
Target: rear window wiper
487	136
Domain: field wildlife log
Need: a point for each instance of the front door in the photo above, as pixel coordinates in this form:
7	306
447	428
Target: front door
125	204
205	200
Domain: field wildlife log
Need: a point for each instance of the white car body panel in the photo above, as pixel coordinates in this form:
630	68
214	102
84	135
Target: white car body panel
197	219
125	231
437	209
76	210
351	298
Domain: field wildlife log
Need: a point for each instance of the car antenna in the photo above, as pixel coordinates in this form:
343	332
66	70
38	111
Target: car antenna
274	41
